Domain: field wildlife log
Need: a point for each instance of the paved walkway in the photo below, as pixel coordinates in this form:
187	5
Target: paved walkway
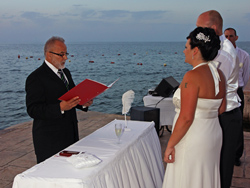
17	153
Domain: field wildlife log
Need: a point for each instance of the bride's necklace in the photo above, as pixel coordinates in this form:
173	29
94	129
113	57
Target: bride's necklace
199	65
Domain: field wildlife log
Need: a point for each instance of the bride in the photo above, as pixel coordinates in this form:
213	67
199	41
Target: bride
193	150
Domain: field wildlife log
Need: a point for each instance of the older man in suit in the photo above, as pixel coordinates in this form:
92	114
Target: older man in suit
55	122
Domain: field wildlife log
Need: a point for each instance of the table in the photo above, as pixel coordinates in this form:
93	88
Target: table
167	108
136	162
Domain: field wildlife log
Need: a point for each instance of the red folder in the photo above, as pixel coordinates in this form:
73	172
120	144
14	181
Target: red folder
86	90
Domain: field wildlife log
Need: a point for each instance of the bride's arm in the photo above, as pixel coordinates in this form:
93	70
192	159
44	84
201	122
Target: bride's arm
189	97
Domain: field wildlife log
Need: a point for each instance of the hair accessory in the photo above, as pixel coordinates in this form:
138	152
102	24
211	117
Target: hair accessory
201	36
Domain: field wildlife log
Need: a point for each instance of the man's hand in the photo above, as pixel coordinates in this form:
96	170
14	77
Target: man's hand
68	105
88	103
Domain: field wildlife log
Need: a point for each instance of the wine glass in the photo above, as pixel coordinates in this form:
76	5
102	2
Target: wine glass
119	129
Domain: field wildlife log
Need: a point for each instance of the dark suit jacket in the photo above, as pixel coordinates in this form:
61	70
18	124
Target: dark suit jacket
52	130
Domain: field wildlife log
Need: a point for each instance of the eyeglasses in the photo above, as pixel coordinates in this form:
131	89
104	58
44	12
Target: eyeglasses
62	54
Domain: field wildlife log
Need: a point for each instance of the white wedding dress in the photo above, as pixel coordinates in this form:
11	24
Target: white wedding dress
197	155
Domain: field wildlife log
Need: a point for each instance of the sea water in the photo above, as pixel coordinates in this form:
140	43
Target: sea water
140	66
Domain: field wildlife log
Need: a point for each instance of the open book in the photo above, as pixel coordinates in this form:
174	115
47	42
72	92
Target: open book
86	90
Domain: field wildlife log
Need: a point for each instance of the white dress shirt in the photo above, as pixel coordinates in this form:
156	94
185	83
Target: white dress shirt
229	65
55	70
244	66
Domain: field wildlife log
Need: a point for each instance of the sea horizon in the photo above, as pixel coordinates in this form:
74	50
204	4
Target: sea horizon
139	65
83	42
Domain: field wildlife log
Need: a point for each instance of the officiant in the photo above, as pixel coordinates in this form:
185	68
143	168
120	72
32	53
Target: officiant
55	122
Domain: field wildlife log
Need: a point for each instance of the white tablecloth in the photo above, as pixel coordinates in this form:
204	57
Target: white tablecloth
136	162
167	108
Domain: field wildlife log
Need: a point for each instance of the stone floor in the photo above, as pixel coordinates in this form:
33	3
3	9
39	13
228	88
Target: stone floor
17	153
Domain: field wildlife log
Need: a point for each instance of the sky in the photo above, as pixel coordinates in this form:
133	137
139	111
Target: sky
34	21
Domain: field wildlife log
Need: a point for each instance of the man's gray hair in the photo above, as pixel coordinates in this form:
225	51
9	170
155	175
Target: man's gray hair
51	42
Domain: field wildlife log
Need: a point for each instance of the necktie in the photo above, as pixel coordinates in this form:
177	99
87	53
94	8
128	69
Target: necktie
63	78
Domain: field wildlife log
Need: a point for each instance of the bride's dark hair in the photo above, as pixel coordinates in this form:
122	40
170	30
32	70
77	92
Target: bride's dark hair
206	40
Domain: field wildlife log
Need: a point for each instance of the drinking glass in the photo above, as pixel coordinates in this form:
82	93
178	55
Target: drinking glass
119	129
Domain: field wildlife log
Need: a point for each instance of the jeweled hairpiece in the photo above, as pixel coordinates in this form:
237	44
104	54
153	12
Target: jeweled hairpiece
201	36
